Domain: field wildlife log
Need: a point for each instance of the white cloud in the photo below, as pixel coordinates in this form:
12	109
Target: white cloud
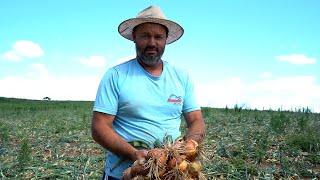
38	71
23	49
11	56
94	61
39	83
57	88
297	59
28	49
266	75
221	93
284	92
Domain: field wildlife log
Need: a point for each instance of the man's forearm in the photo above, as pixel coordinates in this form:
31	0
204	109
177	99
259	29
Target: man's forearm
196	126
196	132
109	139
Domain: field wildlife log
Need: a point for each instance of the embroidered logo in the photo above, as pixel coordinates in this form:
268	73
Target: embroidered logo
174	99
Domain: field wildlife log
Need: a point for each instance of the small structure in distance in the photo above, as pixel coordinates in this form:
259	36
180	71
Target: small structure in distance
46	98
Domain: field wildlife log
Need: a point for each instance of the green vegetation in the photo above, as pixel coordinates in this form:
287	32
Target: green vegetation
24	156
48	140
248	144
52	140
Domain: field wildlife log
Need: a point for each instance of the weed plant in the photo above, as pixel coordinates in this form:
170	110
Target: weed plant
24	156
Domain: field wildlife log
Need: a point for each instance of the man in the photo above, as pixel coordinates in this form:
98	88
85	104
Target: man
143	98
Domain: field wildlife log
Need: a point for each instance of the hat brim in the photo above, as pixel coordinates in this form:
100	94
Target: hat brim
175	31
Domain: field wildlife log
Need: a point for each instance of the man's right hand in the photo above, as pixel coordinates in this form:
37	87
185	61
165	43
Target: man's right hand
140	155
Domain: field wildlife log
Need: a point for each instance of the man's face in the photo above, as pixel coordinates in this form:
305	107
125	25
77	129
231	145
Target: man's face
150	40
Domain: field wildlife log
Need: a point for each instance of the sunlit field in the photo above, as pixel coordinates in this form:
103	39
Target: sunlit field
52	140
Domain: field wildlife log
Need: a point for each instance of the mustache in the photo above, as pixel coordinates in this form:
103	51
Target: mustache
151	48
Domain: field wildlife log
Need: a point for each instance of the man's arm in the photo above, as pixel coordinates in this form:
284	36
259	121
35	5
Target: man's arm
103	133
196	126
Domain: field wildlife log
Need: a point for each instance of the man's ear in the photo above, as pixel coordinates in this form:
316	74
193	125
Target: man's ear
133	36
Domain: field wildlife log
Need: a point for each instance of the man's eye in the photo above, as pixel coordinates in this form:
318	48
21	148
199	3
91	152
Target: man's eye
144	36
159	37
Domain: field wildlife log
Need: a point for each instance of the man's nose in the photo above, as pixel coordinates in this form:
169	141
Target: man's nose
152	41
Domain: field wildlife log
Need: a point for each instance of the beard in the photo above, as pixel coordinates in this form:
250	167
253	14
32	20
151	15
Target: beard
149	60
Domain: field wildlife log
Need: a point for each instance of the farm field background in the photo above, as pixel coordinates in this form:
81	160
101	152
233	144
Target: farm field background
52	140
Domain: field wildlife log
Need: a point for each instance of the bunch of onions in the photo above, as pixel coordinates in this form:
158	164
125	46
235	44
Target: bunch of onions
172	162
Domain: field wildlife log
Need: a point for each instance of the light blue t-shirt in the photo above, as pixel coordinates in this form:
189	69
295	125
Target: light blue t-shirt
146	107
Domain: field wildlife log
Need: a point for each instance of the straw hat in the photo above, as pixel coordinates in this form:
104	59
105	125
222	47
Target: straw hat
151	14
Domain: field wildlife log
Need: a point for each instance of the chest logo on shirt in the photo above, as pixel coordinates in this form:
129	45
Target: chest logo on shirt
174	99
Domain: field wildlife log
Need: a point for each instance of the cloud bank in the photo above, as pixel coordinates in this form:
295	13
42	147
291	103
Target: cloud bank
269	92
23	49
94	61
282	92
38	83
297	59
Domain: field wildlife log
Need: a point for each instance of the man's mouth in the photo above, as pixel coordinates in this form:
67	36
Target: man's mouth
151	51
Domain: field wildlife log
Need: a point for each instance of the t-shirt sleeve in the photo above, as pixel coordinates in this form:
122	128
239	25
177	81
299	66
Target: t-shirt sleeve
108	93
189	101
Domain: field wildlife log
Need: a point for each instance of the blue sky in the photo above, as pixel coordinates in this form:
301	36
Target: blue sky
260	54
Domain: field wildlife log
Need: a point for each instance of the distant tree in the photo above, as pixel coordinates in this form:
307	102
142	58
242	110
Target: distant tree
46	98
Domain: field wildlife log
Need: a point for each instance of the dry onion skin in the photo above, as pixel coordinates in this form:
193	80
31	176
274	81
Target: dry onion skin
158	155
194	168
177	161
191	149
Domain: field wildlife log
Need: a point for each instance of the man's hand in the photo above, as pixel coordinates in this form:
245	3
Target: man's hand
140	155
139	158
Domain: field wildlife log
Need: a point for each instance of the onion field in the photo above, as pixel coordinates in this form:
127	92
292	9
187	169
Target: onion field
52	140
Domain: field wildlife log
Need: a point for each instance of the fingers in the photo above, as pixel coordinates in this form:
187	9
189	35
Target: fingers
127	174
141	154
